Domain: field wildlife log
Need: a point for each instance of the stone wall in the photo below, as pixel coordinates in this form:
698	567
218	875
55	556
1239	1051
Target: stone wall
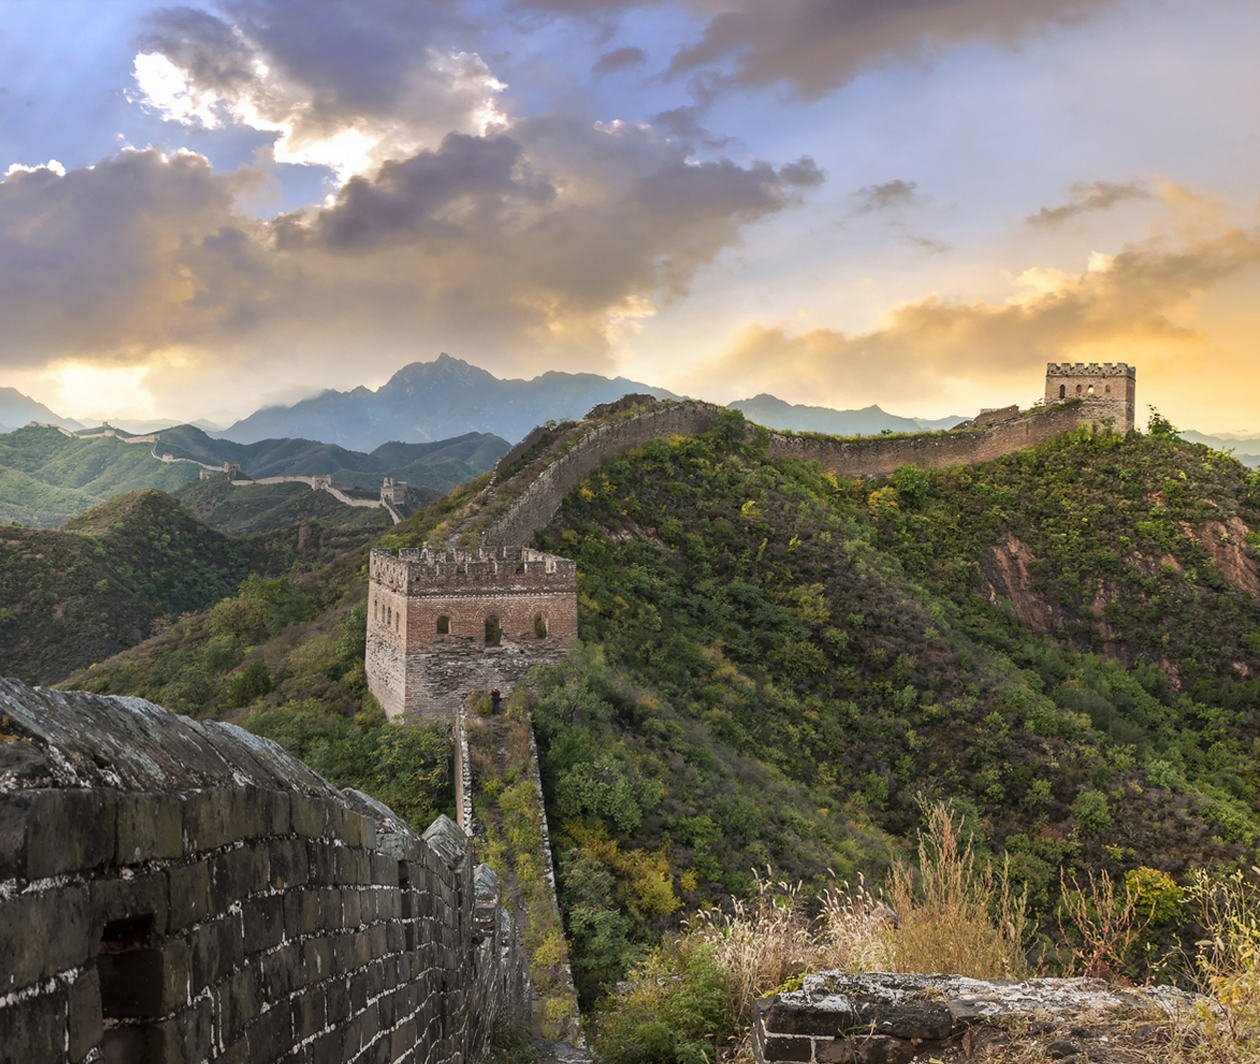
862	456
873	456
174	890
541	499
882	1018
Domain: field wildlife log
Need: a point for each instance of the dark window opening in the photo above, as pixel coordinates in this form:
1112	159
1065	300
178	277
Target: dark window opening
1078	389
494	632
130	967
444	625
1107	389
540	627
1062	391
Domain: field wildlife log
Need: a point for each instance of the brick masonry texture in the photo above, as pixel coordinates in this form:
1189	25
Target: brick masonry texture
176	890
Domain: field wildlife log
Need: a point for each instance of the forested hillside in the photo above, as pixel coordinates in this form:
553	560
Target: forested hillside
778	669
46	478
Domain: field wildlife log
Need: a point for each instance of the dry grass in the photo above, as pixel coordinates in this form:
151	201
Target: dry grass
956	914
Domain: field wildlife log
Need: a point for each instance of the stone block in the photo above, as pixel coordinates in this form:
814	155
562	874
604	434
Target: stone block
309	816
263	919
45	933
288	863
308	1013
208	820
271	1035
240	999
37	1026
317	958
150	826
83	1015
188	897
50	832
216	947
237	873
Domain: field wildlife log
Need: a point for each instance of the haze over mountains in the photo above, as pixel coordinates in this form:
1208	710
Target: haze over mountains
450	400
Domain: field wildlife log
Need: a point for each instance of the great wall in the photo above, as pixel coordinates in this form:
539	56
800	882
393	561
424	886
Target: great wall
176	890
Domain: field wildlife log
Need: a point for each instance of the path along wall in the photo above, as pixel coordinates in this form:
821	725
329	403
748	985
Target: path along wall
174	890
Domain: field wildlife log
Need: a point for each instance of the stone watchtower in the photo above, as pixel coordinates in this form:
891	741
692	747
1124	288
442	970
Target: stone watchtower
1106	390
442	623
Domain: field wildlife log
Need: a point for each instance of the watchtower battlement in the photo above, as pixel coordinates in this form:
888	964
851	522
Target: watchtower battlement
442	623
1107	390
417	571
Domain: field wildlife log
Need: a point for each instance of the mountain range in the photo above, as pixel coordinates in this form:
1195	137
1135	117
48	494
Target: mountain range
17	410
432	400
447	397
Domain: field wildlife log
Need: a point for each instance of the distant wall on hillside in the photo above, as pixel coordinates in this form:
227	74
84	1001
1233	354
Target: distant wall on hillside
873	456
862	456
174	890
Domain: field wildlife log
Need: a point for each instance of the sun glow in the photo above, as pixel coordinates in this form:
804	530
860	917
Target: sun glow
96	393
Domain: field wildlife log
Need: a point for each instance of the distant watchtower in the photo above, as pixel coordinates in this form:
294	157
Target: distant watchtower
442	623
1106	390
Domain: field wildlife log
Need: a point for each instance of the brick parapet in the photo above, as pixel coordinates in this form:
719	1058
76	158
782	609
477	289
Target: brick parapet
181	890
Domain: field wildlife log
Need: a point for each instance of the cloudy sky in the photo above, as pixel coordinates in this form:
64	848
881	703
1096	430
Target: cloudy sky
912	202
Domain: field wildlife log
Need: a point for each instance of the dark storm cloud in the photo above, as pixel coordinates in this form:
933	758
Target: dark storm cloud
529	245
470	183
619	59
885	196
814	46
104	260
1095	196
203	45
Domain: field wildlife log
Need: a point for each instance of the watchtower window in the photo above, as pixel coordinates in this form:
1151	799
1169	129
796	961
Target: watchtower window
1062	391
444	625
130	970
1078	389
1090	390
494	631
540	627
1107	389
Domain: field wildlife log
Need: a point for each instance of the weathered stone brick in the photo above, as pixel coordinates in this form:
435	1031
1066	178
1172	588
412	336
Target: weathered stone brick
83	1014
188	894
45	933
288	863
263	922
36	1028
150	826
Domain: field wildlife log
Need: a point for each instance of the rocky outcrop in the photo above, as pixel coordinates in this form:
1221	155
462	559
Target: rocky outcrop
1226	544
880	1018
1006	574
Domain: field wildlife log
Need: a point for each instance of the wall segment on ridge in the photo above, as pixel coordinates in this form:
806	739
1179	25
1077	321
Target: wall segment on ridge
863	456
175	890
